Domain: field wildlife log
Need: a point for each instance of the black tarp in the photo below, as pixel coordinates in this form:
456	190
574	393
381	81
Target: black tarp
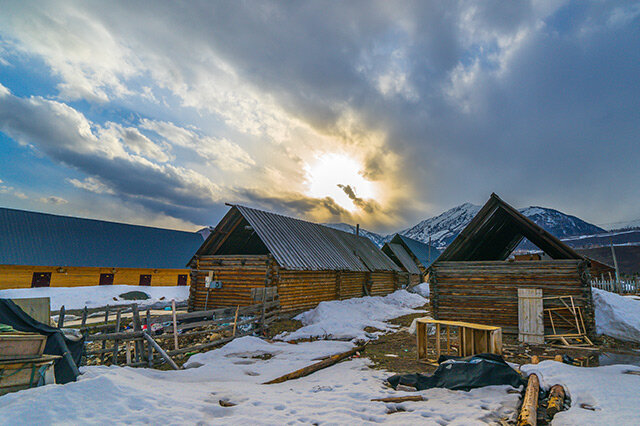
457	373
66	368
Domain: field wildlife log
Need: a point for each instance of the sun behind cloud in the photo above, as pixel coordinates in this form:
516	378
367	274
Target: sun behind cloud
338	176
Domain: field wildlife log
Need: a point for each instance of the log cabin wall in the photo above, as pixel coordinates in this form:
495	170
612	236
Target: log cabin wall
383	283
20	276
486	292
351	284
239	274
301	290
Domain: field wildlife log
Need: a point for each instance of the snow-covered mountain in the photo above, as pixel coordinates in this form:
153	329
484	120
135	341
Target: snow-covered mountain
445	227
442	229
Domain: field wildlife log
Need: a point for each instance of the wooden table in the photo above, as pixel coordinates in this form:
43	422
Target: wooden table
471	339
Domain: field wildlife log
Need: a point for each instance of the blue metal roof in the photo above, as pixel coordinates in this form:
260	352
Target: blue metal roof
41	239
420	250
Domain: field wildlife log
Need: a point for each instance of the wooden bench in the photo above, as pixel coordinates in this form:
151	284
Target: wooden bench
470	339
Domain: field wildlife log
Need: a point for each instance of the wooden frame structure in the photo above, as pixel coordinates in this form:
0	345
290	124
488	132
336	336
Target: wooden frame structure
473	281
468	339
568	315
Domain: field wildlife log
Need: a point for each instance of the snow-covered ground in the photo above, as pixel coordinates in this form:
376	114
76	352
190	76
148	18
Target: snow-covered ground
337	395
97	296
617	316
347	319
599	395
422	289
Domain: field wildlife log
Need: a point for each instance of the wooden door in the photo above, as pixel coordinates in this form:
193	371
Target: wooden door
530	325
145	280
182	279
41	279
106	279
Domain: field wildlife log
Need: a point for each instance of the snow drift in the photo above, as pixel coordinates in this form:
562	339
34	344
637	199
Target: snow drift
347	319
617	316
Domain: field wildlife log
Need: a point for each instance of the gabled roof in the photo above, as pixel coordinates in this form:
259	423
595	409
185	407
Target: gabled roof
41	239
426	255
399	255
496	231
295	244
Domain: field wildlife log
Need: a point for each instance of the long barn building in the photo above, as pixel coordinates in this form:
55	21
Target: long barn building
307	262
46	250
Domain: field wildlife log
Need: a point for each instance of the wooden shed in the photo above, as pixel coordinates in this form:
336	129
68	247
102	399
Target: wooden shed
307	262
472	281
412	256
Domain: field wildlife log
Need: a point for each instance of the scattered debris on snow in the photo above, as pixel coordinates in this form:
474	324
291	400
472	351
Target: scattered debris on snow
97	296
347	319
223	387
617	316
609	391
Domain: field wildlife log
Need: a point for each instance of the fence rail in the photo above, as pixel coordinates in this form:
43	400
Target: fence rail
620	287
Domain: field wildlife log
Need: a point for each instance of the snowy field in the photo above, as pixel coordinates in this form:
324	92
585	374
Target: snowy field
340	394
97	296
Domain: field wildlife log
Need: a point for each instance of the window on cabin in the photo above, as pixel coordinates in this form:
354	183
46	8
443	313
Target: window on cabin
182	279
41	279
145	279
106	279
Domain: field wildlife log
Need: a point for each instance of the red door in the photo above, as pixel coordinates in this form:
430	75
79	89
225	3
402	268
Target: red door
145	280
182	279
41	279
106	279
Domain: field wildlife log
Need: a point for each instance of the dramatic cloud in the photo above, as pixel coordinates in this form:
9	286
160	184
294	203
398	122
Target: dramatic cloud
178	107
53	200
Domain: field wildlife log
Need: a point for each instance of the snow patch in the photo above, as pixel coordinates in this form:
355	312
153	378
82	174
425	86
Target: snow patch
97	296
607	389
422	289
347	319
617	316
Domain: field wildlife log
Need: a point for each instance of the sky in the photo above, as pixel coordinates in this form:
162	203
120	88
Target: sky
378	113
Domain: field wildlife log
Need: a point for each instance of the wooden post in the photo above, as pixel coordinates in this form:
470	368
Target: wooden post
61	317
149	346
127	347
85	312
264	308
175	324
114	359
104	342
137	327
235	321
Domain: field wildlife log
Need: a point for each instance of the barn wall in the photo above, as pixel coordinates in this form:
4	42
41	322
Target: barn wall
383	283
352	284
19	276
300	290
239	274
487	292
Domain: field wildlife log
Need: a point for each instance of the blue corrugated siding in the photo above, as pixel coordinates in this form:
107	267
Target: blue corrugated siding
421	250
30	238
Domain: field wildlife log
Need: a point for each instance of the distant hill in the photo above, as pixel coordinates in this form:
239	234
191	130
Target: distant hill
445	227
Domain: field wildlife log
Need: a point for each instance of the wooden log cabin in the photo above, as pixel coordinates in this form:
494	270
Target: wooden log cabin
307	262
45	250
412	256
472	280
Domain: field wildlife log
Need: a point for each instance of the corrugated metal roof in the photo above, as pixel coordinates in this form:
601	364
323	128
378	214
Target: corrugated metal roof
300	245
41	239
404	258
420	250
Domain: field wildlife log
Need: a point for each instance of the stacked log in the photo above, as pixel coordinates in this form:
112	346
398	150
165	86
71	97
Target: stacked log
382	283
238	274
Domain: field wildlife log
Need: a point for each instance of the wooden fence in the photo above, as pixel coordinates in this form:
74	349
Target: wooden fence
130	337
620	287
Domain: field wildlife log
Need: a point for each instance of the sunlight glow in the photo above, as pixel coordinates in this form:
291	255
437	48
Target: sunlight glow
330	170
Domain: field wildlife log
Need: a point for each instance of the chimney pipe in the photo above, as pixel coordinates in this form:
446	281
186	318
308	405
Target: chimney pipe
357	230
